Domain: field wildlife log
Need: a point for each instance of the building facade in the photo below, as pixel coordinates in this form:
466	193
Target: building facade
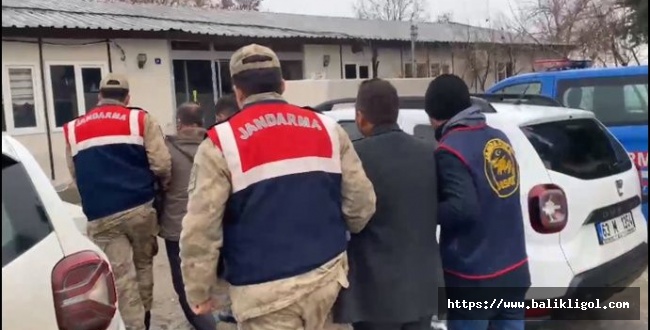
55	54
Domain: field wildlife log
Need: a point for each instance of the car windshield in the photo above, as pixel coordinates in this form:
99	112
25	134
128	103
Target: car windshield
24	220
615	101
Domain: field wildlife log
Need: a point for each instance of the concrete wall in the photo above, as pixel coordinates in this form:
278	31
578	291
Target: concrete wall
151	87
313	92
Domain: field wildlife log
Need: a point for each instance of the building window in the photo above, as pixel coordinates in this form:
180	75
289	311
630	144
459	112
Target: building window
435	70
421	70
19	109
446	69
503	70
74	90
364	72
190	45
291	70
356	71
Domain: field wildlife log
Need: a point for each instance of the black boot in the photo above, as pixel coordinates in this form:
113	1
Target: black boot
226	316
147	319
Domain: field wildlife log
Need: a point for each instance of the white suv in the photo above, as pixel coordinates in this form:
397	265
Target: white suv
580	193
52	276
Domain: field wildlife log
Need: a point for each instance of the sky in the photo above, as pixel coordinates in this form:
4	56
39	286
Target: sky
475	12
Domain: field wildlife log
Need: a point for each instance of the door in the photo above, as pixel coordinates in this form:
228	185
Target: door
621	103
224	85
194	82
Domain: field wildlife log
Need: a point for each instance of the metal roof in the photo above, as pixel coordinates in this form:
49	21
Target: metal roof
90	14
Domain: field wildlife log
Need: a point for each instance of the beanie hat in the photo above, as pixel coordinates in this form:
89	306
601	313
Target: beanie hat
446	96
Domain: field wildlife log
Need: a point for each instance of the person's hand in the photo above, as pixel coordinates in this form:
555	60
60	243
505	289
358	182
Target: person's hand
205	307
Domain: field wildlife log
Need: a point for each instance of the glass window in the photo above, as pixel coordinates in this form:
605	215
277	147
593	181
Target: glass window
421	70
91	78
4	126
425	132
582	148
350	71
75	90
408	71
21	86
291	70
364	72
436	70
24	220
351	128
533	88
614	101
64	93
446	69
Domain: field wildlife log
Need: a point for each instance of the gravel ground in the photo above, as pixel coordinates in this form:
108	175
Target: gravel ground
167	314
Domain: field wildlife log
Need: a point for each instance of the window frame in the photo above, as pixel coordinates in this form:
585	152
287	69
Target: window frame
529	83
564	84
357	67
8	101
81	102
503	71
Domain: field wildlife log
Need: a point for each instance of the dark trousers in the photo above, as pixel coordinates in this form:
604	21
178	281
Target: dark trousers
423	324
199	322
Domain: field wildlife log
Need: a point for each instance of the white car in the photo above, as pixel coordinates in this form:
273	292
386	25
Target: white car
53	277
596	235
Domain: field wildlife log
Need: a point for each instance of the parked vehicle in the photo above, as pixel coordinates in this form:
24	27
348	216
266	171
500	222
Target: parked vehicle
594	240
53	277
617	96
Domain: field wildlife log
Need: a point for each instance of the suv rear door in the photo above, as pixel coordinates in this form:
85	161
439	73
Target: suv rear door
619	102
601	186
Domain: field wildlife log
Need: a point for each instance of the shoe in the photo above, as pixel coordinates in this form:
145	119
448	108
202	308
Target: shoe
147	319
226	317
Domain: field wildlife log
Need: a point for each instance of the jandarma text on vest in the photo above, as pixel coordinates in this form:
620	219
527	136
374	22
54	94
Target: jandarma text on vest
277	119
102	115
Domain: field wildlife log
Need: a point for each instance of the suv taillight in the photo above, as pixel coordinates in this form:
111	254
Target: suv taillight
547	208
84	292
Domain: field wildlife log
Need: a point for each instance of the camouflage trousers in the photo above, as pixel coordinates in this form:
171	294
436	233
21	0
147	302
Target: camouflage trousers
129	241
310	313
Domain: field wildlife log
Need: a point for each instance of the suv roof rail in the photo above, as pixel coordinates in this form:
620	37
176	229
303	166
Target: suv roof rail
530	99
484	100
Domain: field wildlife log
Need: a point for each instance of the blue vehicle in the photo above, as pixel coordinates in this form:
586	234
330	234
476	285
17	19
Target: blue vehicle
617	96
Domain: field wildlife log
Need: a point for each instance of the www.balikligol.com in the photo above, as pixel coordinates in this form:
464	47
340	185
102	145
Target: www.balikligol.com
557	303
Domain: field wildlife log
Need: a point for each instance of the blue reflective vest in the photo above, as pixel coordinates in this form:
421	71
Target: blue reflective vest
284	215
494	244
110	160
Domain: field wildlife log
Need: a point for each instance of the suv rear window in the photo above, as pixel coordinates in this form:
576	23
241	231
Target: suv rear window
24	220
581	148
614	101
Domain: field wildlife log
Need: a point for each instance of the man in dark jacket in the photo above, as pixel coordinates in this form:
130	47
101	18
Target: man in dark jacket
182	147
395	267
482	234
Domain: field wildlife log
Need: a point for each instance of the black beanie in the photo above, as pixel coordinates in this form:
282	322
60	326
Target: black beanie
446	96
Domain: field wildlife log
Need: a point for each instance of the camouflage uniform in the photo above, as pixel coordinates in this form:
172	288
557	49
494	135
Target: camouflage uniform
298	302
129	237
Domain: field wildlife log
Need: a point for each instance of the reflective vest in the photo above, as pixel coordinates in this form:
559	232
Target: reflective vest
110	160
494	245
284	215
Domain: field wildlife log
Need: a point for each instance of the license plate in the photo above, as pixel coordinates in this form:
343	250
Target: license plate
614	229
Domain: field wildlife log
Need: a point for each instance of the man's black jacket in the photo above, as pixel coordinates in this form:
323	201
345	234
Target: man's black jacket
395	265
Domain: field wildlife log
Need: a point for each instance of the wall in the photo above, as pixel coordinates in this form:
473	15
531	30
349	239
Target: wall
313	92
151	86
